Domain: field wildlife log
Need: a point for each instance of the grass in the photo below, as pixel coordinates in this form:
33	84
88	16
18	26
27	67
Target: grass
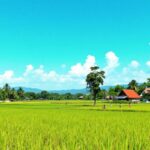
74	125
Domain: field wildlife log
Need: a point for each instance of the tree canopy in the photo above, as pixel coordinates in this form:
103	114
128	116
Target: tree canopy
94	79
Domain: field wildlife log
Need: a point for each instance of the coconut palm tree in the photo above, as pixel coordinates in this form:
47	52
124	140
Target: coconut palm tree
133	85
6	90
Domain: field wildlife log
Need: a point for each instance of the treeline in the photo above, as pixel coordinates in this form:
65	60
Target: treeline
12	94
8	93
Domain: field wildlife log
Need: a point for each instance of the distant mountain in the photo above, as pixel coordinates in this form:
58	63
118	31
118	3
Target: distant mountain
26	89
112	86
72	91
84	91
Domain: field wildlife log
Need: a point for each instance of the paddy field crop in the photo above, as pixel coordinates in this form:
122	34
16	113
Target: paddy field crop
74	125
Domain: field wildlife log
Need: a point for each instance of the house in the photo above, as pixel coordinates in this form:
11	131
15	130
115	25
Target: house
146	91
128	95
146	95
81	97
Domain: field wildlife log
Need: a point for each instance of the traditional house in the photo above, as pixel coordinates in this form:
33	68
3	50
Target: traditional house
146	95
146	91
128	95
81	97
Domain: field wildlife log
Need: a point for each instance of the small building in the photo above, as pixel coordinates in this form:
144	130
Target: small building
146	91
128	95
146	95
7	101
81	97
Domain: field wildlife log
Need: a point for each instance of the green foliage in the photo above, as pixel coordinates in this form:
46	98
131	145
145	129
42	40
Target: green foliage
146	97
13	95
133	85
141	87
112	93
102	94
44	95
30	95
8	93
21	93
148	82
94	79
118	89
115	91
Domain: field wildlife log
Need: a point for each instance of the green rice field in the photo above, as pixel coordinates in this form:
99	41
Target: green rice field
74	125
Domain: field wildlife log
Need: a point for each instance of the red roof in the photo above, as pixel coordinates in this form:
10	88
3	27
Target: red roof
131	94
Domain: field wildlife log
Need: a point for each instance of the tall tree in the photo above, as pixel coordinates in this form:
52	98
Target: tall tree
6	90
94	79
13	95
133	85
148	82
112	93
21	93
118	88
44	95
142	87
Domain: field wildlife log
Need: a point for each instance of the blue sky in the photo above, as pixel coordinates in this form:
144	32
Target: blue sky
49	38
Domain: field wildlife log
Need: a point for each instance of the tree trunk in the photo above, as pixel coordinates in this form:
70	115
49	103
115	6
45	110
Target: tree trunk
94	98
94	102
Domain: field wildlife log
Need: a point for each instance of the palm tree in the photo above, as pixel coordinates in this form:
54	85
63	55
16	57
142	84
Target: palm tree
20	93
6	89
133	85
13	95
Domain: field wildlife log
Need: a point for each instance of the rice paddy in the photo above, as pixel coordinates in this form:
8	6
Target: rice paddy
74	125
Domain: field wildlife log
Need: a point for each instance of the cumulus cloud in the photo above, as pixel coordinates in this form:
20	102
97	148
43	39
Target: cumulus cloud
40	78
7	74
39	73
9	77
81	70
148	63
134	64
126	75
75	78
112	62
29	68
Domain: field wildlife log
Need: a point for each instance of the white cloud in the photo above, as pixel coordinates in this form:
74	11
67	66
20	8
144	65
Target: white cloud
112	62
81	70
39	73
75	77
29	68
148	63
9	77
127	74
8	74
134	64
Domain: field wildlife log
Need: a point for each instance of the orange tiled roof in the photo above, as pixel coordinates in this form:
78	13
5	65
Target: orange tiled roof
131	94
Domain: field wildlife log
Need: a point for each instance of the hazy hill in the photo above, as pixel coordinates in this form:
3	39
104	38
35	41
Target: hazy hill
72	91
